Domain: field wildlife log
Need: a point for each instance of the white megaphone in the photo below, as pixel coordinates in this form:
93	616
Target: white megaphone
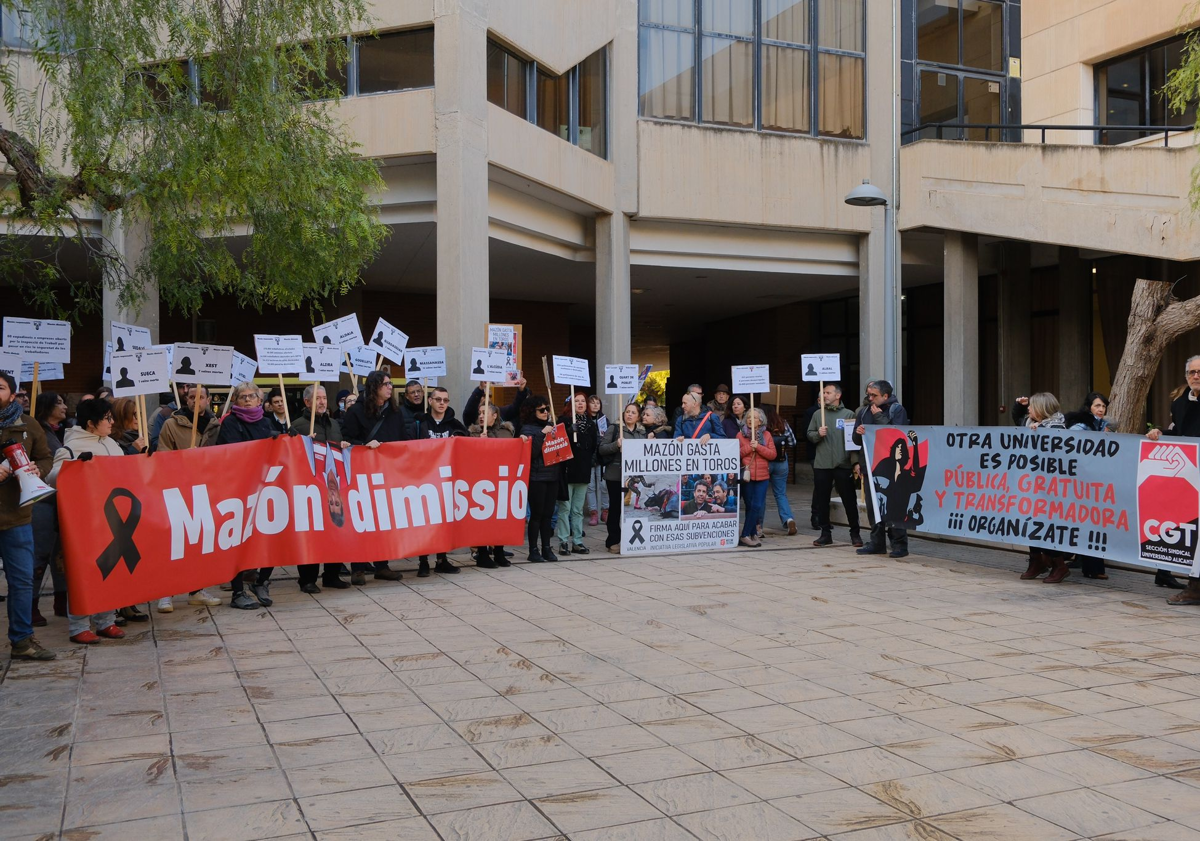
32	487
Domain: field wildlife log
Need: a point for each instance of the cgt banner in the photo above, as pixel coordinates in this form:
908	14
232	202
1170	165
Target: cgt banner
143	528
680	496
1118	497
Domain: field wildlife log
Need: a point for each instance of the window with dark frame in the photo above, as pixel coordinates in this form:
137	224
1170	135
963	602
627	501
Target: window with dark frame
795	66
1129	92
960	64
573	106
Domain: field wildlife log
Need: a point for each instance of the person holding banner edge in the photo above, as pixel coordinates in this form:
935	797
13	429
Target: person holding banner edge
493	426
882	407
50	412
437	424
16	529
584	441
610	458
544	478
325	430
833	466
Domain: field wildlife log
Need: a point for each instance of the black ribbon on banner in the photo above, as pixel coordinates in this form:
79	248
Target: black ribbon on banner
637	532
122	546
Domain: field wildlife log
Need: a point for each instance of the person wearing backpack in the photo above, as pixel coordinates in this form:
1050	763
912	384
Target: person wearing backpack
691	423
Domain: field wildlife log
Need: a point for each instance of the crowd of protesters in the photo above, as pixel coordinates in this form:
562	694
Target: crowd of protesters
563	498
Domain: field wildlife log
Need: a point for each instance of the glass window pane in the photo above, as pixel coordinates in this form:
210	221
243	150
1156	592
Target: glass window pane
1165	60
785	20
553	110
840	96
981	102
593	104
727	82
396	61
336	78
785	89
168	84
732	17
1122	98
937	31
668	12
939	102
983	35
840	24
666	63
506	76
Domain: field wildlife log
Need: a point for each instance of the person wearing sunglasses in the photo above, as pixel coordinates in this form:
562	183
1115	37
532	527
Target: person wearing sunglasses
543	478
439	422
372	421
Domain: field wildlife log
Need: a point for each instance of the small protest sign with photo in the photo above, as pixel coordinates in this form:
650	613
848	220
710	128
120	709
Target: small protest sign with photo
425	362
243	369
344	333
141	372
820	367
38	340
620	379
129	337
488	365
204	364
322	363
362	359
279	354
389	341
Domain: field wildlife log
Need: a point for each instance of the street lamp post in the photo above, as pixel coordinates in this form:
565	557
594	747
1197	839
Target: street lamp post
868	195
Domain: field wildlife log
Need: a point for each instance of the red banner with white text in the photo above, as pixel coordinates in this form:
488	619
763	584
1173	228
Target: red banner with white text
136	528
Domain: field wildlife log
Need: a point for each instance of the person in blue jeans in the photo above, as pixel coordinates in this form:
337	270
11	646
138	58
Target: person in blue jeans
785	440
16	522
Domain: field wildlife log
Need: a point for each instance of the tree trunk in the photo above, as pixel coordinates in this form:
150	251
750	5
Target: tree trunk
1156	318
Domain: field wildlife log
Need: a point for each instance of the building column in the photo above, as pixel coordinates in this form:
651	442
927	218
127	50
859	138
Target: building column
460	122
613	332
1074	328
1014	330
128	242
961	329
871	312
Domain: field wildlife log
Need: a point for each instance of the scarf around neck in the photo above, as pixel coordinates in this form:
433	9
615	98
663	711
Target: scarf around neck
251	415
10	415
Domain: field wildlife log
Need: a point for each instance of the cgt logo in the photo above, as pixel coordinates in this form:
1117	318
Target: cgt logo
1169	459
1169	532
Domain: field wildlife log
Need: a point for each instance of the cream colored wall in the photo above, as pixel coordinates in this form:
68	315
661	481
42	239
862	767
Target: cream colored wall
390	124
557	33
1062	40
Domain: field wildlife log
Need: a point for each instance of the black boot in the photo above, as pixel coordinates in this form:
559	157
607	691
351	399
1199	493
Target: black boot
825	539
423	569
483	558
1164	579
535	557
547	553
500	556
444	566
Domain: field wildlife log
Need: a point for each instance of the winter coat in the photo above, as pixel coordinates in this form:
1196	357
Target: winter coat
585	440
759	462
510	413
891	412
539	471
729	425
53	442
660	432
357	427
831	451
504	429
448	427
234	430
699	426
1185	417
126	441
1086	422
78	441
408	416
610	451
1021	418
176	433
163	414
29	434
325	429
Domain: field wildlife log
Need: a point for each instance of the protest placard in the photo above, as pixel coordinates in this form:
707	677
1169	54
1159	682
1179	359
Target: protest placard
38	340
47	371
389	341
362	360
140	372
570	370
10	363
424	362
344	333
488	365
751	379
322	363
243	368
620	379
129	337
820	367
204	364
279	354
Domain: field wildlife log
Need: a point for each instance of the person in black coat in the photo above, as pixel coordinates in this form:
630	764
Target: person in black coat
372	421
510	413
543	478
246	422
1185	422
585	440
438	423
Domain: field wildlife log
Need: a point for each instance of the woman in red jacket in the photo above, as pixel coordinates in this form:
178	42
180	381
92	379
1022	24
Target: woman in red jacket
758	451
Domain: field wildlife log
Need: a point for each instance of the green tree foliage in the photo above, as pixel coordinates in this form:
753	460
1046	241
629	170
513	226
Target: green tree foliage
237	169
1182	89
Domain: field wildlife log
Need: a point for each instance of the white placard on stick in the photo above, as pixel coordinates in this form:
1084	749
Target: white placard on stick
620	379
129	337
362	358
170	349
38	340
820	367
243	369
10	363
571	370
847	427
47	371
322	363
751	379
488	365
140	372
343	332
279	354
389	341
425	362
205	364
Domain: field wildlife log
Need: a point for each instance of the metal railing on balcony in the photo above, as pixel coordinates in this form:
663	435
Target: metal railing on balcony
940	129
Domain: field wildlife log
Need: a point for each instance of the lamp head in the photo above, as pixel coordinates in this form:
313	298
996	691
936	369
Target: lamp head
866	195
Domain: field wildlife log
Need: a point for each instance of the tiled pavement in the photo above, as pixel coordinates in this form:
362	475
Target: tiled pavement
783	693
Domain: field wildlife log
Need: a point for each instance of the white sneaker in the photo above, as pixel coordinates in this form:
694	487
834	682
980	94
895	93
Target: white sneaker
165	605
203	597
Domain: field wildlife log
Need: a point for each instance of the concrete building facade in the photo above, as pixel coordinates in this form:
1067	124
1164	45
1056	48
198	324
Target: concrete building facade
663	182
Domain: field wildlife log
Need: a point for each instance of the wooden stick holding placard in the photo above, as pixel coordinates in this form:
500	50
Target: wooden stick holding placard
196	412
424	395
379	362
821	400
350	368
753	426
549	391
778	399
574	432
287	416
228	402
175	394
33	389
484	425
312	410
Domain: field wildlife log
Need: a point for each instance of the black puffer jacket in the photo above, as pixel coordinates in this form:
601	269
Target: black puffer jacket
539	471
585	440
234	430
357	427
448	427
